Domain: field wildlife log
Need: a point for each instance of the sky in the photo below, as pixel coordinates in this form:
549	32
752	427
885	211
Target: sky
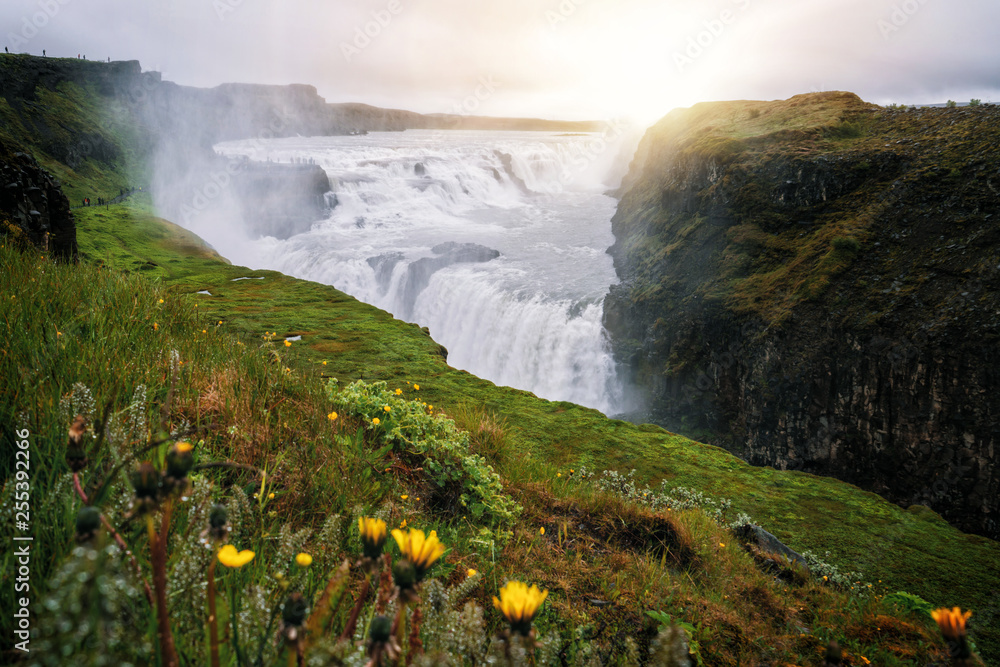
567	59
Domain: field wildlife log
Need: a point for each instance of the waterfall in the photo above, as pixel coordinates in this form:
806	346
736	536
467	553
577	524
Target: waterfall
493	240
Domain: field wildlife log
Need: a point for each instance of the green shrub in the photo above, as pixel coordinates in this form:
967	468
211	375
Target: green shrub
411	429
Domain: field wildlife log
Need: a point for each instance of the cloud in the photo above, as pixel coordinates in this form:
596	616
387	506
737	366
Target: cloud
552	58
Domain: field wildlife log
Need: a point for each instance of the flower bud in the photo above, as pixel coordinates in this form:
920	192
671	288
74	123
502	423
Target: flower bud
146	480
404	574
380	630
294	611
180	459
218	522
88	521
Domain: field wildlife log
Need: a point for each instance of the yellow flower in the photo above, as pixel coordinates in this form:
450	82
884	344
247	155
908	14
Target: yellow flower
402	525
373	535
58	333
324	363
386	408
156	327
541	531
404	496
422	551
304	560
332	416
288	343
399	392
229	557
471	573
184	447
722	544
416	387
951	622
270	496
376	421
519	605
161	300
203	331
558	474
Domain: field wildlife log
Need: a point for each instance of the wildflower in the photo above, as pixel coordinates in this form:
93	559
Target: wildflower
203	331
404	497
58	333
471	573
399	392
519	605
304	560
722	544
373	536
541	531
270	496
230	557
161	300
416	387
403	524
423	551
558	474
156	327
386	408
288	343
951	622
332	416
376	421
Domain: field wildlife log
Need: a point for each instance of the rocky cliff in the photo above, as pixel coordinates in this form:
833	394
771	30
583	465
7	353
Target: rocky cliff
813	284
33	207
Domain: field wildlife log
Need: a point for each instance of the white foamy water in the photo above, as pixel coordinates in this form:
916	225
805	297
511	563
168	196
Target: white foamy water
529	318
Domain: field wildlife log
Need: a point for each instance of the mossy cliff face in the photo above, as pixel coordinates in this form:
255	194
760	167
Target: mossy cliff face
812	283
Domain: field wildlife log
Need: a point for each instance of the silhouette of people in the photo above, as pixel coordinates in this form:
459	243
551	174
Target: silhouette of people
43	53
6	49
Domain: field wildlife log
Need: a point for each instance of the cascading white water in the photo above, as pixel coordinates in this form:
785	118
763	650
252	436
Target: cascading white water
420	217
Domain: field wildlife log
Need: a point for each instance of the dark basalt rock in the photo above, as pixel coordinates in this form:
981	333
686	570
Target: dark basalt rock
32	203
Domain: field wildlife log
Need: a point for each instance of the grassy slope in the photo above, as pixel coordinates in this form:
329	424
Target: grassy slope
911	550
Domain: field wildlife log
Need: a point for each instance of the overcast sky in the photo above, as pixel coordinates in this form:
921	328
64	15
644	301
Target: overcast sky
574	59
